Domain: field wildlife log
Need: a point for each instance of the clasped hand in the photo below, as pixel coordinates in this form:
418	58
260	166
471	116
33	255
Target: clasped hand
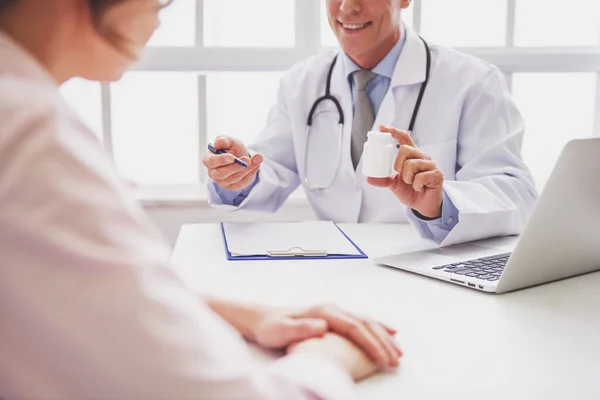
360	345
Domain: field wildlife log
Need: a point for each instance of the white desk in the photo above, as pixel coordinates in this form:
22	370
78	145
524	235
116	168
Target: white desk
538	343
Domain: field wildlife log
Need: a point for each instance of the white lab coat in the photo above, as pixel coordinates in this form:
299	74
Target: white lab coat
467	123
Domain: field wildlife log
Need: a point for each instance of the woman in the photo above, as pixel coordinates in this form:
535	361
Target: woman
88	305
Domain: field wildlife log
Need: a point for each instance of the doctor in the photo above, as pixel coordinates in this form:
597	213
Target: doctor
460	174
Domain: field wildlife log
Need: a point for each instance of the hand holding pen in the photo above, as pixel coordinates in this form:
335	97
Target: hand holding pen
229	164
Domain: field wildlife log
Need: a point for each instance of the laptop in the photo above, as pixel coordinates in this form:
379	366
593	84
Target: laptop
560	240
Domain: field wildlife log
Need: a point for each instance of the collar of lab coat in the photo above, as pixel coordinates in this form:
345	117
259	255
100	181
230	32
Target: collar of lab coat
410	68
16	61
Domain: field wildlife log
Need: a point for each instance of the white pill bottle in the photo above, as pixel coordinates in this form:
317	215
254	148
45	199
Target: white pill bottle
379	154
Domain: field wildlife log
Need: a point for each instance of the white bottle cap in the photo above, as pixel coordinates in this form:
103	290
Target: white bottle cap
377	135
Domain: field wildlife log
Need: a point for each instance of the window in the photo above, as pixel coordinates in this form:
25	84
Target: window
540	95
214	67
575	23
155	127
465	23
178	25
228	112
243	23
85	98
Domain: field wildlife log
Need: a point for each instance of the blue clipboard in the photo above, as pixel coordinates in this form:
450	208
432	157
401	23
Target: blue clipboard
294	255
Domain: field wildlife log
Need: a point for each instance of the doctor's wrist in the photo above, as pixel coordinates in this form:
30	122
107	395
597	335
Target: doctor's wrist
423	217
428	214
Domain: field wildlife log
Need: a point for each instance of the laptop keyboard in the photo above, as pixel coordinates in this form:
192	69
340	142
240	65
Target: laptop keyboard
487	268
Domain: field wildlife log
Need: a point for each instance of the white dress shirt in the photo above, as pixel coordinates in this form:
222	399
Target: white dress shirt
88	305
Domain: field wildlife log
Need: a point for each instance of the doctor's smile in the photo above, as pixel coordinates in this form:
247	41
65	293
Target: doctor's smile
354	27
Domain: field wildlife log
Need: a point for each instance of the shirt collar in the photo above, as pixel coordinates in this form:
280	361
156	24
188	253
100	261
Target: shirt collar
386	66
16	61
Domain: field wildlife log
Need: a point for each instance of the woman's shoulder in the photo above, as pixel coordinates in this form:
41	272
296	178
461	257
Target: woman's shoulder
26	105
36	124
34	109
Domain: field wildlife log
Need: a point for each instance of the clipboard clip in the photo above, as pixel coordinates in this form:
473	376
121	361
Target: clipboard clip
297	252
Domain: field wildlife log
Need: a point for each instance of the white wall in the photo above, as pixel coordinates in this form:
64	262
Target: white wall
171	218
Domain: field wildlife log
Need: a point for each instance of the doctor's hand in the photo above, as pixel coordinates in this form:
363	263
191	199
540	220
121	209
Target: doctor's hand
224	171
418	182
339	350
279	328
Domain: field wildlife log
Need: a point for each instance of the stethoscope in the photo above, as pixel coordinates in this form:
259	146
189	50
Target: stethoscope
330	97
